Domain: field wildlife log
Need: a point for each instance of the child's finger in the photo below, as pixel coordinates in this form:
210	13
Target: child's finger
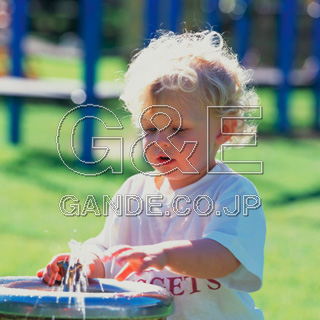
54	262
113	252
40	273
131	255
125	272
147	263
51	279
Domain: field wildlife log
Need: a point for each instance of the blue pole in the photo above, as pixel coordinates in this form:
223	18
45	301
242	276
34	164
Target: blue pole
316	53
212	12
19	22
91	30
241	32
285	58
151	18
175	15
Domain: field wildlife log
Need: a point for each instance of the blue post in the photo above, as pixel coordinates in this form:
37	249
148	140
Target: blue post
151	18
285	58
212	12
91	30
175	15
316	53
19	22
242	32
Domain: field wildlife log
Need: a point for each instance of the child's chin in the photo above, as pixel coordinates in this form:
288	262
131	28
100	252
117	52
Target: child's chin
166	172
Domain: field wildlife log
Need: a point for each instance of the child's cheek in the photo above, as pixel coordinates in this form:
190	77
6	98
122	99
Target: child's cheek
145	141
147	148
177	140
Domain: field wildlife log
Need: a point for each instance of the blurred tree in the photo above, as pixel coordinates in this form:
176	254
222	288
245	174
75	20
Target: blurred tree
51	19
57	20
124	24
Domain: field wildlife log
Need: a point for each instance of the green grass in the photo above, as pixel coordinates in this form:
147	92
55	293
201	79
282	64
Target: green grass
290	191
300	111
33	180
108	68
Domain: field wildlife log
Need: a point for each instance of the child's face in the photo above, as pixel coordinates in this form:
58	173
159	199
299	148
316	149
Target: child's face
167	158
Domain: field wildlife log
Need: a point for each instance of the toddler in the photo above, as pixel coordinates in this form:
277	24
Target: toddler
183	226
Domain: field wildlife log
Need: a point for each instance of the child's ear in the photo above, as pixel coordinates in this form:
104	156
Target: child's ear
229	127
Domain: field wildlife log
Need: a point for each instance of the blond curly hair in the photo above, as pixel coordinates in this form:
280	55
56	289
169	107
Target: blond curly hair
192	62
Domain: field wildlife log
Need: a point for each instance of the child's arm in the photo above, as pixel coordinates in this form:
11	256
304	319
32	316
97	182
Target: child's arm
51	274
204	258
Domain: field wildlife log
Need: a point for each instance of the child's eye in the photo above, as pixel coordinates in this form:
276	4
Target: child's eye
150	130
177	130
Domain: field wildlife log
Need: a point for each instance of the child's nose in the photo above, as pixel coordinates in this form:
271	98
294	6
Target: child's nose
162	139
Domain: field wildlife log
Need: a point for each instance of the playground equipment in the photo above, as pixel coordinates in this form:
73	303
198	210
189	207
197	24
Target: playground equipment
282	78
17	87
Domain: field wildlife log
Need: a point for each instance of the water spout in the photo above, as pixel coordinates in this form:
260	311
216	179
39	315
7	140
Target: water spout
72	277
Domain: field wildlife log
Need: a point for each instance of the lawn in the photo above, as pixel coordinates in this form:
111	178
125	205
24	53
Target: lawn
33	180
40	66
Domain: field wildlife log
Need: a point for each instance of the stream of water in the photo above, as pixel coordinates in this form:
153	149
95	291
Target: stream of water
79	281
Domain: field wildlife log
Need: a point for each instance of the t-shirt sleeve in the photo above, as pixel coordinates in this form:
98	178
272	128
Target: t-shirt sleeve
239	225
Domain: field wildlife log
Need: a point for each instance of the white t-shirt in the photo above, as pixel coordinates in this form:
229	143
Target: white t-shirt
221	207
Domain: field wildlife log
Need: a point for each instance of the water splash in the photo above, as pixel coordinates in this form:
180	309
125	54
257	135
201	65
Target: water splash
78	282
77	255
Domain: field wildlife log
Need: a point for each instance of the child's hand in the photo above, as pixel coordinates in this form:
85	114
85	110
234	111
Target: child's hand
202	258
136	259
51	274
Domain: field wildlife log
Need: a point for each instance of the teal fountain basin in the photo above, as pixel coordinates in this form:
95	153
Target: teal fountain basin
31	298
